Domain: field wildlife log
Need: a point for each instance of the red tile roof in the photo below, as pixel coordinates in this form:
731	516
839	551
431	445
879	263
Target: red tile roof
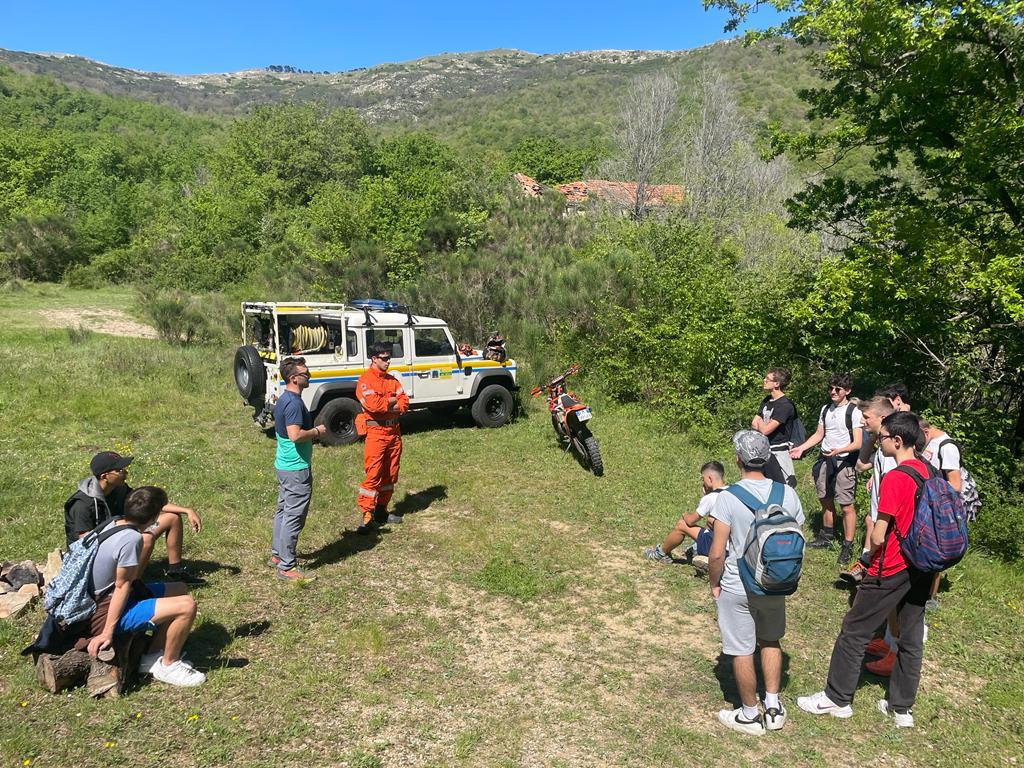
531	187
621	193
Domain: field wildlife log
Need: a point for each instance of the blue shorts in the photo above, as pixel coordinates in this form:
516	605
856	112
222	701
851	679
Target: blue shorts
702	545
138	615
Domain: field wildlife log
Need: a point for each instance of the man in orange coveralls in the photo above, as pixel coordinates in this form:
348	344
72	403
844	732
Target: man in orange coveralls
383	401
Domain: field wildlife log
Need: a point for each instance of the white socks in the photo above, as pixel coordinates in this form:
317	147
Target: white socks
771	701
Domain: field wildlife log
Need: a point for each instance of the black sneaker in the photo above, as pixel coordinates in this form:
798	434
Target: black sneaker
820	542
180	573
845	553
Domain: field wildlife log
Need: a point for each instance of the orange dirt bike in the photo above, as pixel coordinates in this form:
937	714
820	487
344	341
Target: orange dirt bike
570	417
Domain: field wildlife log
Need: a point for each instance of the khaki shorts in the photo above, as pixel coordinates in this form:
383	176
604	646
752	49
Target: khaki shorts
841	486
745	619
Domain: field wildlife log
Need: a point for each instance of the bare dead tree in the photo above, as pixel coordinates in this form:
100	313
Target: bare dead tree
721	166
644	134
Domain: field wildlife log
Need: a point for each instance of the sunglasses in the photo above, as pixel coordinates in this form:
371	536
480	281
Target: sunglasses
385	358
836	389
885	437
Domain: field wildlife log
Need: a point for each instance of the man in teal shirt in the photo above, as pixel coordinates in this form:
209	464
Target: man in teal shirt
293	465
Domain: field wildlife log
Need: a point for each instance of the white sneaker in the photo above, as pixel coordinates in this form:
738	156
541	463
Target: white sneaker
774	718
904	720
734	719
179	673
820	704
147	660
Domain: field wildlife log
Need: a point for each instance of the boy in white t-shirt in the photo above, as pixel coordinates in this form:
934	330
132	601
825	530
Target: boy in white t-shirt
835	475
712	478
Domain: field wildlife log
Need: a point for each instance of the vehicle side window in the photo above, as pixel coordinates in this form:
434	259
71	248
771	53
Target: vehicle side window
392	336
432	342
351	345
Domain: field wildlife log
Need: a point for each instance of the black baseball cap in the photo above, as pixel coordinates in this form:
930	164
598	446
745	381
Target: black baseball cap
108	461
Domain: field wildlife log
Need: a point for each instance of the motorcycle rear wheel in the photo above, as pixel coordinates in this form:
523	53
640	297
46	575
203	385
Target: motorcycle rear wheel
594	456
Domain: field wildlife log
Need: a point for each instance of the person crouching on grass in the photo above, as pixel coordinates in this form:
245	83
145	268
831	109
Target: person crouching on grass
126	605
890	584
712	480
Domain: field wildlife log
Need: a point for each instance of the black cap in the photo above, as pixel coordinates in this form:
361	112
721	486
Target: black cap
107	461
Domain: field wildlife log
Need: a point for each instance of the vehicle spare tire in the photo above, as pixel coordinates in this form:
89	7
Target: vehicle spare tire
250	376
339	416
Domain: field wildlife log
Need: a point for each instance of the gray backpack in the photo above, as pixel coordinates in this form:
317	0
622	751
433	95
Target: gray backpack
69	597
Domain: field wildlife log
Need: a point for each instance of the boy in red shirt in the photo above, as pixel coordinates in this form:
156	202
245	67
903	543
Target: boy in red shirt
889	584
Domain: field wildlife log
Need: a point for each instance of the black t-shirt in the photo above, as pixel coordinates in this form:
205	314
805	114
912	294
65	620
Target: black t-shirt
84	513
783	411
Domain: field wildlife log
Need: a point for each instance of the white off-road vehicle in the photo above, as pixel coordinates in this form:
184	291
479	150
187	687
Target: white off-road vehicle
335	340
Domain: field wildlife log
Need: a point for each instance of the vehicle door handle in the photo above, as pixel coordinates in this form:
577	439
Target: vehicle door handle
424	375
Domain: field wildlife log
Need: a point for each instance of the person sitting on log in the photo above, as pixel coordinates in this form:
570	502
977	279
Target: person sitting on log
101	496
126	605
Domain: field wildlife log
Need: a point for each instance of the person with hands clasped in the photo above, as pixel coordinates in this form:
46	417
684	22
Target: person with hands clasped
293	426
835	475
126	605
383	401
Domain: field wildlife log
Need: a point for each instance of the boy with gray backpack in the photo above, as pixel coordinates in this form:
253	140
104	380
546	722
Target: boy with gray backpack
758	520
98	593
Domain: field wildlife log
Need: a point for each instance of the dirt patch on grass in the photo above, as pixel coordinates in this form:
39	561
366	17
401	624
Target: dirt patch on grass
112	322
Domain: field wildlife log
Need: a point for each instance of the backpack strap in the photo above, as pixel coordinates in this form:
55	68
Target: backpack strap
746	498
849	419
938	452
751	502
104	530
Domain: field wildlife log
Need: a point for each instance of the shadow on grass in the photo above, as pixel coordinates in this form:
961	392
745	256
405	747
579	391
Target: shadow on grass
412	503
352	543
726	681
208	641
201	568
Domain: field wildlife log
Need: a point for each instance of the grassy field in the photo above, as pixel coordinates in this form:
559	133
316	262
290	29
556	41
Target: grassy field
510	621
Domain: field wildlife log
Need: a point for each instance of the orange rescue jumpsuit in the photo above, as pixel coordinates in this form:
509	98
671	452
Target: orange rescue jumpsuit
383	447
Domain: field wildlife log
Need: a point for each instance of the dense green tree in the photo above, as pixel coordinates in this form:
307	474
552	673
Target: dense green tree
931	275
551	161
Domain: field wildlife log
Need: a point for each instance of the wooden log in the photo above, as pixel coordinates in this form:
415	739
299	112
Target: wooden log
105	679
106	676
55	673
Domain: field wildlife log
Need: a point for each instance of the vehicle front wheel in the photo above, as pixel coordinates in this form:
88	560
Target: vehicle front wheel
492	407
339	416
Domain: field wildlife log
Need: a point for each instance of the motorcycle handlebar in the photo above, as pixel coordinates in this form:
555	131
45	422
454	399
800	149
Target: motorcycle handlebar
570	371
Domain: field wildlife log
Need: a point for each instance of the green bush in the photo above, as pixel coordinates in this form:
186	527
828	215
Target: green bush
999	528
183	319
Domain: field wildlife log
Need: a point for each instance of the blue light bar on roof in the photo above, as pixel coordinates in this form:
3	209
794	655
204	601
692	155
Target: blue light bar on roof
378	305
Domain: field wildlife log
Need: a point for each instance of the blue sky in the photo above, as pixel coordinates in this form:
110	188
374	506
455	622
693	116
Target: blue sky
191	37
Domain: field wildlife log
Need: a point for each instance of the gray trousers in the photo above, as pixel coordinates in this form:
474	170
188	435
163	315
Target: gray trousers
906	592
295	489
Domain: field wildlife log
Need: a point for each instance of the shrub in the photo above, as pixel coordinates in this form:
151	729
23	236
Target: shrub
999	529
180	318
